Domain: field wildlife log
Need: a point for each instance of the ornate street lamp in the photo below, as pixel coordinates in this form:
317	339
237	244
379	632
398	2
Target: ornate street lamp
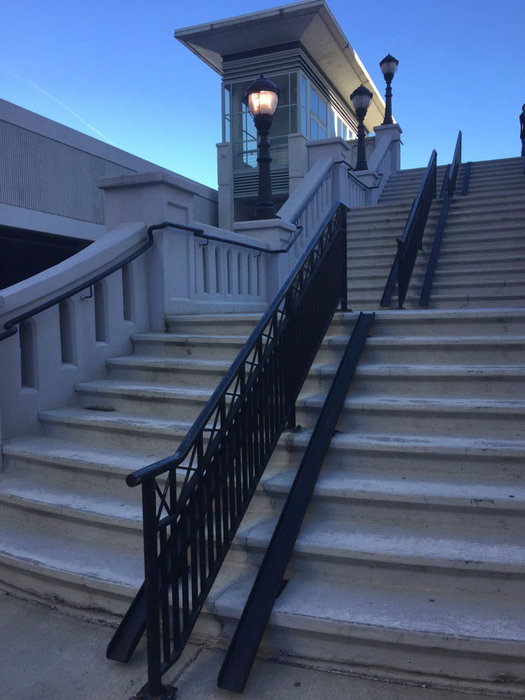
261	98
361	99
389	66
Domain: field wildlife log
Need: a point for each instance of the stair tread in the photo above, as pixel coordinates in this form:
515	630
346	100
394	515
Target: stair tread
178	363
433	405
345	484
398	544
112	418
420	369
435	445
317	603
68	453
175	338
142	389
67	502
66	557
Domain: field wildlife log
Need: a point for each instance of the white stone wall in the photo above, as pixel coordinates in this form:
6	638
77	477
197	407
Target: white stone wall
49	174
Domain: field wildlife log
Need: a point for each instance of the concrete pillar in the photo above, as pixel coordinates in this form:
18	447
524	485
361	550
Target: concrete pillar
297	159
225	182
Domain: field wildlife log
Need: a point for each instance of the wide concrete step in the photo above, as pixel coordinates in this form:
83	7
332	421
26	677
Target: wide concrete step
142	399
89	577
384	551
229	324
115	430
485	203
470	381
479	229
503	297
210	346
482	251
468	267
456	636
427	459
168	371
70	514
54	463
475	417
501	323
451	508
444	350
480	183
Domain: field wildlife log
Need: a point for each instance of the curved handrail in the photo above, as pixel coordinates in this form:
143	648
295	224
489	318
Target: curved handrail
10	326
411	240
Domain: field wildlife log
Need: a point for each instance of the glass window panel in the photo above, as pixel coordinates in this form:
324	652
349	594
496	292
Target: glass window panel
304	93
322	133
314	101
304	122
314	129
322	110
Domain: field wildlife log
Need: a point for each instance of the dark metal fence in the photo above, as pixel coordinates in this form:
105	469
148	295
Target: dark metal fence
411	241
194	501
448	189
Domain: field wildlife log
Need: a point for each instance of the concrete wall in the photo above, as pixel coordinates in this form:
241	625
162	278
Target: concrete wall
49	174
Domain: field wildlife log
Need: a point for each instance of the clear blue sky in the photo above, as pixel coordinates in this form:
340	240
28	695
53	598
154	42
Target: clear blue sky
112	69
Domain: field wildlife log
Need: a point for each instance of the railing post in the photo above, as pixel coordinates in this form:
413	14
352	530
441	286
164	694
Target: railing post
342	220
153	690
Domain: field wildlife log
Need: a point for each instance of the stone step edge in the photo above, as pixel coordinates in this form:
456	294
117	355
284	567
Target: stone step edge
358	543
229	605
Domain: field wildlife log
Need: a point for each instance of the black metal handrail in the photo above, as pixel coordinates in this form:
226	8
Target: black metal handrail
449	182
447	192
189	526
411	241
250	628
10	327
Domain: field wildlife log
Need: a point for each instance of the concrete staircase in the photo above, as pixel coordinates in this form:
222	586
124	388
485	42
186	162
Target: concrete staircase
411	563
483	250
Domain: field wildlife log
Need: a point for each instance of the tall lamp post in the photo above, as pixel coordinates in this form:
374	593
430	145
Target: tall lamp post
361	99
261	98
389	66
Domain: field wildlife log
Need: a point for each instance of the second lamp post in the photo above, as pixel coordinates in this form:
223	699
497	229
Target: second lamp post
261	98
389	66
361	99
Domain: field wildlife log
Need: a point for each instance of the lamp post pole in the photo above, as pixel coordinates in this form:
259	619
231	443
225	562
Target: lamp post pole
264	208
388	66
361	99
261	98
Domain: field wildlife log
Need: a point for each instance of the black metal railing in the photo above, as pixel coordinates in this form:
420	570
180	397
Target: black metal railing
250	628
410	243
194	501
448	189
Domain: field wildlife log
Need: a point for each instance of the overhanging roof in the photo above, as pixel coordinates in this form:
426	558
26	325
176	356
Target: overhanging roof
309	22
